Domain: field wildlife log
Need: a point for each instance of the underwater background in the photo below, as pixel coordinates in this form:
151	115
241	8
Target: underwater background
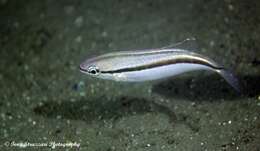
45	99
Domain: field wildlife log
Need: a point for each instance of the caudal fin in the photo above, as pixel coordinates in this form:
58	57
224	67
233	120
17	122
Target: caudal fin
231	79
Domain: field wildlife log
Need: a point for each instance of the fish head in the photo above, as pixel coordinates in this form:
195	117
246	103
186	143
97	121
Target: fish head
95	67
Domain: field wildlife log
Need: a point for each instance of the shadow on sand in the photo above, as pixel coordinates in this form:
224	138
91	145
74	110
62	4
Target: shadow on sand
100	109
202	88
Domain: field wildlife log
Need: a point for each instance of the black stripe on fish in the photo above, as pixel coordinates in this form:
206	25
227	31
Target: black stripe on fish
166	62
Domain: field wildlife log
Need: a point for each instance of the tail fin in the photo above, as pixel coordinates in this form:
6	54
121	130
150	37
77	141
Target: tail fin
230	78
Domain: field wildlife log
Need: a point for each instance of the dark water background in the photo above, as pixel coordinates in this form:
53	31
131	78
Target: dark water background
44	98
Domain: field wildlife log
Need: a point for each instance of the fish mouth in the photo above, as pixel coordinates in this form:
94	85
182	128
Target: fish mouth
82	69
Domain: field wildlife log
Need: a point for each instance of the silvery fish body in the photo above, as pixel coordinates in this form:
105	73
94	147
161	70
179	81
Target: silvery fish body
145	65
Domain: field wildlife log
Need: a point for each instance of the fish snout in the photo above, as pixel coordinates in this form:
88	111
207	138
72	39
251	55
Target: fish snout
82	67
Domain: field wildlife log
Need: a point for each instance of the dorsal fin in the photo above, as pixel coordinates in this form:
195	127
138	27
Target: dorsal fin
188	44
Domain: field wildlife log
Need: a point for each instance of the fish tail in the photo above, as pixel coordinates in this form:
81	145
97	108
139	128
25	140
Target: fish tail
230	78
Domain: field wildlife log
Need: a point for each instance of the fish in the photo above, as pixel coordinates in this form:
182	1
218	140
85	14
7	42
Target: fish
153	64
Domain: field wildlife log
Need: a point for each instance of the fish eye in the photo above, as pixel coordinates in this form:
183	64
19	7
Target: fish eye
93	70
